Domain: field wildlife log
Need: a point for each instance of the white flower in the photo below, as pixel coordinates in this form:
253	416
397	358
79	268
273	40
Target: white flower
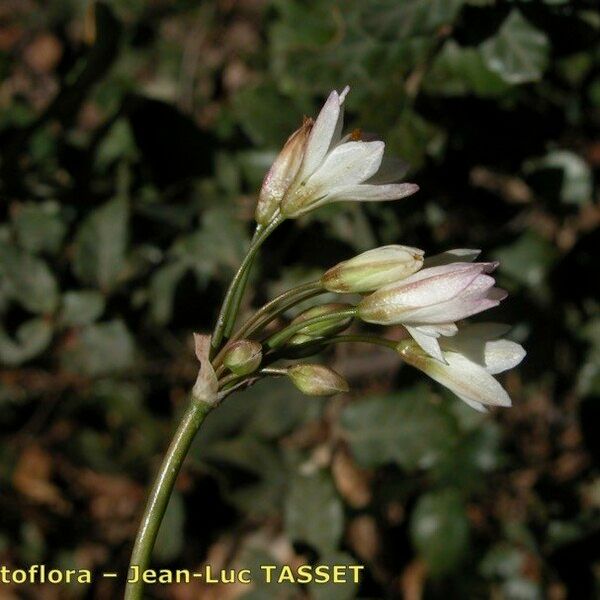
429	302
472	357
335	168
373	269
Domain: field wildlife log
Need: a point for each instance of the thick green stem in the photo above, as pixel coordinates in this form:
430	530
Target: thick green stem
282	336
161	492
233	297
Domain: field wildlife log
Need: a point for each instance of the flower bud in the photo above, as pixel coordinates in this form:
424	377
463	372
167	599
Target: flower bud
373	269
317	380
324	328
281	174
243	357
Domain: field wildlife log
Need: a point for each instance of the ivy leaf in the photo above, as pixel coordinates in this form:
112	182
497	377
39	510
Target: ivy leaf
32	338
518	52
458	71
81	307
100	245
392	19
100	349
28	280
314	512
439	530
404	428
528	259
573	183
39	227
334	590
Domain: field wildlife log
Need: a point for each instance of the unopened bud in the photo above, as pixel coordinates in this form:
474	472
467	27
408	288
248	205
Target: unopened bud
243	357
317	380
373	269
281	174
324	328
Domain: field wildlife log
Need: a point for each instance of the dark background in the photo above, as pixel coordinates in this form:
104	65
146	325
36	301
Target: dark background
133	138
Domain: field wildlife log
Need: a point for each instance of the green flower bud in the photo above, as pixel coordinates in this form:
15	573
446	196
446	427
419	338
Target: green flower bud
325	328
317	380
373	269
243	357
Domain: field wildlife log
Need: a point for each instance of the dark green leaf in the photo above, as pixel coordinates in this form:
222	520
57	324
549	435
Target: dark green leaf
100	245
518	52
28	280
313	512
81	307
100	349
336	590
406	428
39	227
32	338
439	530
458	71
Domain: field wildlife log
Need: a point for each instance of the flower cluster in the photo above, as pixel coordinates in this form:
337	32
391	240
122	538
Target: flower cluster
427	298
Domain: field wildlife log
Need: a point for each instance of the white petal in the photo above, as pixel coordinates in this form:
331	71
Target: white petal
476	405
337	132
439	329
367	192
347	164
321	136
428	342
451	256
392	169
467	380
501	355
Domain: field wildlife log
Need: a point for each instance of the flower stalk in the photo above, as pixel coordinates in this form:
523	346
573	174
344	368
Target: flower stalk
427	296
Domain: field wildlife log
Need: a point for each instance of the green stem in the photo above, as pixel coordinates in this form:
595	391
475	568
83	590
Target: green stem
161	492
235	291
264	316
281	303
287	332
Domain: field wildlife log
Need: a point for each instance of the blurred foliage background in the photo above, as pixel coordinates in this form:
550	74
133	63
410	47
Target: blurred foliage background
133	138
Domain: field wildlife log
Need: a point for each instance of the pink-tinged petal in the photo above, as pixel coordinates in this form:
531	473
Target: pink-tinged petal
451	256
454	309
437	289
321	136
428	343
367	192
347	164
